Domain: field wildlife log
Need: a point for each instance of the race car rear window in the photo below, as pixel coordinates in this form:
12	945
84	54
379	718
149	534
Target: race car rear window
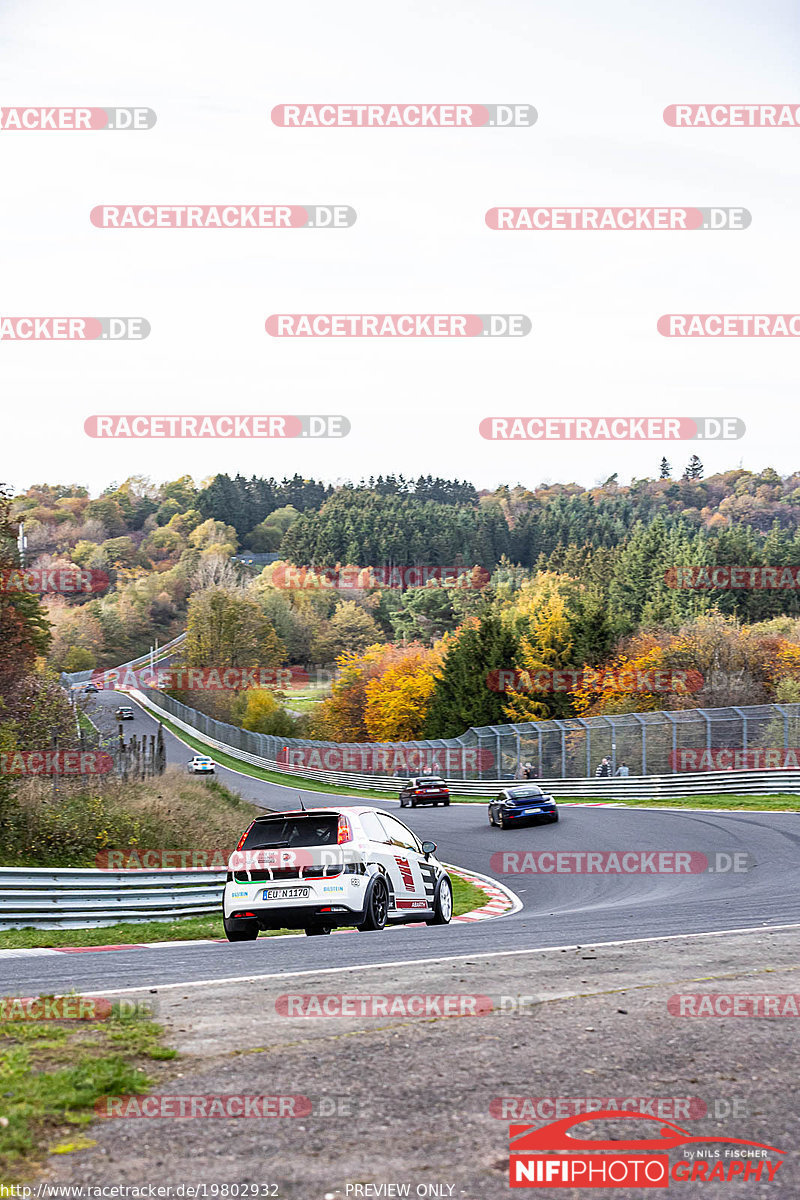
431	783
319	830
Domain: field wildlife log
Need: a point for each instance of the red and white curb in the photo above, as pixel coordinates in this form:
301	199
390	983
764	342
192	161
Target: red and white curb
502	902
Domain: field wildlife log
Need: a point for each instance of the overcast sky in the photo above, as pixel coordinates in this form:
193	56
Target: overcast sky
599	76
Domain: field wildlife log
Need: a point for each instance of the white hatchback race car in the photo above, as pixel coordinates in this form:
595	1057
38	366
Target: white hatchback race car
326	867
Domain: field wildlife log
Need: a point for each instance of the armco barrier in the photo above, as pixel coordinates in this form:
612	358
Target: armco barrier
52	898
649	743
75	678
642	787
46	898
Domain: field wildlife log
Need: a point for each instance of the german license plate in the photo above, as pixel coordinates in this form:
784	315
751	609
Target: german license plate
530	811
291	893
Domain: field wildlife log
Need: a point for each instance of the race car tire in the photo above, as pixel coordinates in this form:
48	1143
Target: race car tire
442	903
446	803
240	930
376	907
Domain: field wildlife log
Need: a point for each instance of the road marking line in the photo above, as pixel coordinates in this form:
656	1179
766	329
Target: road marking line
412	962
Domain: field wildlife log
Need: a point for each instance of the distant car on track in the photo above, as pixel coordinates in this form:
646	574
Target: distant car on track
201	764
424	789
327	867
90	687
124	714
522	805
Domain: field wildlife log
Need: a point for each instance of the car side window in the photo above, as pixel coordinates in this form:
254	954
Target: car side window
398	835
373	828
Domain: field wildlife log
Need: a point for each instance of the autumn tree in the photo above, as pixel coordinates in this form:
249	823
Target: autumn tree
397	700
463	696
225	629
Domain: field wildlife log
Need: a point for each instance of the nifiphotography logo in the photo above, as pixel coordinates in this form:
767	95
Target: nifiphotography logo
591	1162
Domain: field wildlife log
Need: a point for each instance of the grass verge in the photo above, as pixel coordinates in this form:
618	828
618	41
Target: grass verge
52	1074
466	897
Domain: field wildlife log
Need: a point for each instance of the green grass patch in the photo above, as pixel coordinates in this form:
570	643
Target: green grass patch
466	897
52	1073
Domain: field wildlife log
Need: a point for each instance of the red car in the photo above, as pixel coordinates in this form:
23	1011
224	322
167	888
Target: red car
424	789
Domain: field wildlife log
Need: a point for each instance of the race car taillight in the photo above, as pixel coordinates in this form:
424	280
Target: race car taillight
244	835
345	830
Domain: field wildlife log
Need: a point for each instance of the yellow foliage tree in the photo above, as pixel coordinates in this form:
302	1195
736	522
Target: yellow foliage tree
398	699
541	609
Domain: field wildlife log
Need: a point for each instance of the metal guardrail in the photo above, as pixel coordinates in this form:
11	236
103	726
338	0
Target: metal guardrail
85	898
651	743
75	678
650	787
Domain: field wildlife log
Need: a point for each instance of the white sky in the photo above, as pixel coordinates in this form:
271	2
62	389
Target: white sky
599	76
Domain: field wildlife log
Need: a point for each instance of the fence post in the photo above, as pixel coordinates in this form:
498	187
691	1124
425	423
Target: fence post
672	722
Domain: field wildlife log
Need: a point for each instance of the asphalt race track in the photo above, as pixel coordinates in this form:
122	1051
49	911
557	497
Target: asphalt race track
562	910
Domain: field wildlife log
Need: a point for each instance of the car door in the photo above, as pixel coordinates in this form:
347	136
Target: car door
412	873
380	851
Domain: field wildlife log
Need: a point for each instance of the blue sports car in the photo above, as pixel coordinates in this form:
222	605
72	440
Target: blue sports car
521	805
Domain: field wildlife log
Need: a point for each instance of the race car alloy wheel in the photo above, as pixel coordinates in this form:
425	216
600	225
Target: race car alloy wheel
442	904
376	908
